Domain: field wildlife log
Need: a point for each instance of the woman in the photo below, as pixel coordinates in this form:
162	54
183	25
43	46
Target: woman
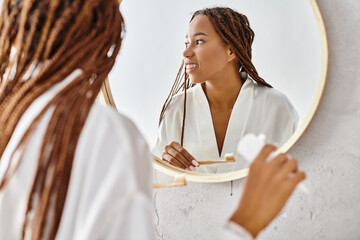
229	99
73	169
60	174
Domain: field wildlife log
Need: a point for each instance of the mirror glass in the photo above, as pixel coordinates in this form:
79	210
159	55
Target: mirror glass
286	53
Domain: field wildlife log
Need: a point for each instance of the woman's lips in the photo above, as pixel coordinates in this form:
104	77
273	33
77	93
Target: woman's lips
191	67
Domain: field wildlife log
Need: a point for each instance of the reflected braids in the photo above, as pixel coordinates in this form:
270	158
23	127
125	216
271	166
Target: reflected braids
234	29
55	37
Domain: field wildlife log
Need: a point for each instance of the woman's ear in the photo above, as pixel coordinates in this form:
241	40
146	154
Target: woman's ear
231	54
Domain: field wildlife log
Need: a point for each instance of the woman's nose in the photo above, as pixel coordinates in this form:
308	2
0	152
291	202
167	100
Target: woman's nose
188	52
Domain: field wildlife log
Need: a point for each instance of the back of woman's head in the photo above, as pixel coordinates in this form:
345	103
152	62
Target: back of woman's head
47	29
234	29
41	43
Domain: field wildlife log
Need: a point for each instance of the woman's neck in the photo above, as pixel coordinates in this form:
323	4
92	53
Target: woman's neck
222	94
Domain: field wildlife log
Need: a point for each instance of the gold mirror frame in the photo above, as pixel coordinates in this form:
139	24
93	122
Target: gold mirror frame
106	97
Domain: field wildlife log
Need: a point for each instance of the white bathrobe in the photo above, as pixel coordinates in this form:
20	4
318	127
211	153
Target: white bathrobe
110	190
257	109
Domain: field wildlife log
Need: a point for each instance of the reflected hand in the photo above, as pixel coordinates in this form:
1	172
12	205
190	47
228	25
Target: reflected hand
267	188
178	156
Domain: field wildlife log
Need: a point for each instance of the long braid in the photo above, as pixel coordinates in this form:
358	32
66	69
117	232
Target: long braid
184	116
55	37
177	86
234	29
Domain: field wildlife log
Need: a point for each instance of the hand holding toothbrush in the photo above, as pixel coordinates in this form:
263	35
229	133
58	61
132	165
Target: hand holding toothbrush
267	188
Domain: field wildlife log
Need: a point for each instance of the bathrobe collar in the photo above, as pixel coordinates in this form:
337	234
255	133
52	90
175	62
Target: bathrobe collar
237	122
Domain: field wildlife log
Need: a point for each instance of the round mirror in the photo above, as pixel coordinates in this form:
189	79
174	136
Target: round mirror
289	52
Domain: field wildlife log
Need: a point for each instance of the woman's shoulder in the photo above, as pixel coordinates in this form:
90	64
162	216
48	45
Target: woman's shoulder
108	117
106	126
270	94
179	97
112	137
177	101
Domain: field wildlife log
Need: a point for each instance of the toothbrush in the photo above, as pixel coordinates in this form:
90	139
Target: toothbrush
229	157
179	180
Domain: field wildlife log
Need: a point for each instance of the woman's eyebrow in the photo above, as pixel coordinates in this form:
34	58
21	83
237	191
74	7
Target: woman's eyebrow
197	34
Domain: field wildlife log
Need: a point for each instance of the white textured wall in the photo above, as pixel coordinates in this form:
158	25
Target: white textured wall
329	152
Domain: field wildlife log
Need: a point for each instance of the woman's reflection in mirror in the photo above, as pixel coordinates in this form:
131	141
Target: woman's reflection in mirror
218	96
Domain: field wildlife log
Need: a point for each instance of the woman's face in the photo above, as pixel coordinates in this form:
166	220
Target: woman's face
206	56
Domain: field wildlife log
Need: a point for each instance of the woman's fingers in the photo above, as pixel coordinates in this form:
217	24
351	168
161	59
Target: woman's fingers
185	153
279	160
173	161
290	167
178	156
264	153
292	182
175	154
297	178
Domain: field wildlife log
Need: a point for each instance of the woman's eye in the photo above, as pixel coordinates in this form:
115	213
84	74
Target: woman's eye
199	41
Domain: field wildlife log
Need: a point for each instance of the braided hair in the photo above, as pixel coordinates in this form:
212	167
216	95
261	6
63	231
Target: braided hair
52	39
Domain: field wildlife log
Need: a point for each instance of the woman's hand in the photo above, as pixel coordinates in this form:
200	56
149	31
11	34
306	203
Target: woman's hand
267	188
176	155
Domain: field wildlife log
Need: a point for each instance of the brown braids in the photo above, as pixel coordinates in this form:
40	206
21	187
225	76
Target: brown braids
52	39
234	29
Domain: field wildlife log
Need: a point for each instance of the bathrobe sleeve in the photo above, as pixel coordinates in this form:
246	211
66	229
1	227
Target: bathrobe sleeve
170	126
233	231
161	140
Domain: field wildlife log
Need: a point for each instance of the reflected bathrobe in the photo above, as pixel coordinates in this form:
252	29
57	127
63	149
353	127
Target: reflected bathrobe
257	109
110	189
